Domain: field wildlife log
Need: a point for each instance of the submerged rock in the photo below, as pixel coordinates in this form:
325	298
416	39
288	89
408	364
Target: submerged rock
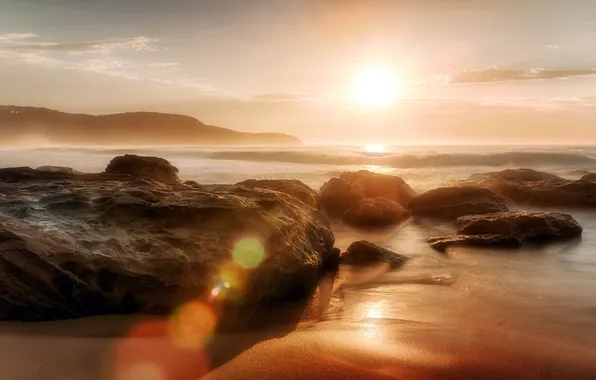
104	244
365	253
453	202
292	187
375	212
507	229
526	186
144	167
443	242
339	194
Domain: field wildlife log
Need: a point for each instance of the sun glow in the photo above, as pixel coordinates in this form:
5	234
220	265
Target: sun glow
374	148
377	87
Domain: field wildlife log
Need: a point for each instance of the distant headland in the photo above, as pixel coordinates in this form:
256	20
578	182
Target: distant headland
22	124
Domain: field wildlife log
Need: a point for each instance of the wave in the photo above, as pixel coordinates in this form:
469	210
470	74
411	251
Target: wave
400	160
339	157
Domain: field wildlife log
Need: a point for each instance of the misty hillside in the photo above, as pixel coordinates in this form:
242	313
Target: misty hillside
30	124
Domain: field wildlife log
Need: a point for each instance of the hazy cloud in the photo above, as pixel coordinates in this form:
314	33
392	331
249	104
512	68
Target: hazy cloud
163	64
15	41
496	74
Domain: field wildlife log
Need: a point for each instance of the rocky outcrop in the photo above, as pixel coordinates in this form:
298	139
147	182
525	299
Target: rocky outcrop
76	245
366	253
144	167
292	187
339	194
58	169
510	229
452	202
526	186
375	212
589	177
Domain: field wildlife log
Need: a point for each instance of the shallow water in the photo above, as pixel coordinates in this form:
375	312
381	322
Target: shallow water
544	293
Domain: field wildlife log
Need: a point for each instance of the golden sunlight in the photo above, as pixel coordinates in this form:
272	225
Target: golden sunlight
374	148
377	87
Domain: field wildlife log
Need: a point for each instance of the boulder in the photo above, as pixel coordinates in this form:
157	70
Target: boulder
589	177
366	253
375	212
509	229
144	167
530	187
452	202
105	244
292	187
526	225
339	194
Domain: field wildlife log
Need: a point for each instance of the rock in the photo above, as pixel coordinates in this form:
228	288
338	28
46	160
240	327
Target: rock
58	169
509	229
105	244
375	212
144	167
365	253
589	177
452	202
339	194
442	243
526	186
292	187
527	226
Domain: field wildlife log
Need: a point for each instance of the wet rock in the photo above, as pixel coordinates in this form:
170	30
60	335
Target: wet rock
526	225
58	169
144	167
452	202
292	187
375	212
589	177
366	253
530	187
509	229
151	248
339	194
443	242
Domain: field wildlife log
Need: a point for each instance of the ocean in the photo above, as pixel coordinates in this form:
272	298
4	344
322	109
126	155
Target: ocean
537	294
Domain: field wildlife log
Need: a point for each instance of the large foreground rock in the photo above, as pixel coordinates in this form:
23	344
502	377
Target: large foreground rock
375	212
452	202
339	194
77	245
292	187
366	253
526	186
506	229
144	167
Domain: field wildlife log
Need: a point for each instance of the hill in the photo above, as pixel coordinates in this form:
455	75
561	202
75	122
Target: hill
22	124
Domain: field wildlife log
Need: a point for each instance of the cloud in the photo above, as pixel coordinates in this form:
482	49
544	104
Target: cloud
99	56
163	64
496	74
16	36
15	41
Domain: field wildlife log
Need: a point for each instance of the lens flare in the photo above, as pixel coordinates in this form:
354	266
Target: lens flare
248	253
192	325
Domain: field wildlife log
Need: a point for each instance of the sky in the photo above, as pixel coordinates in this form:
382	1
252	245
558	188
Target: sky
475	71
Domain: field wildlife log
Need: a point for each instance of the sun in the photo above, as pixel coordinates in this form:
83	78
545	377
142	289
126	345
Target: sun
377	87
374	148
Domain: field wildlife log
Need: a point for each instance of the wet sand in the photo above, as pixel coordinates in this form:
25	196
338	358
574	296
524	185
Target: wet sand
469	314
372	348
